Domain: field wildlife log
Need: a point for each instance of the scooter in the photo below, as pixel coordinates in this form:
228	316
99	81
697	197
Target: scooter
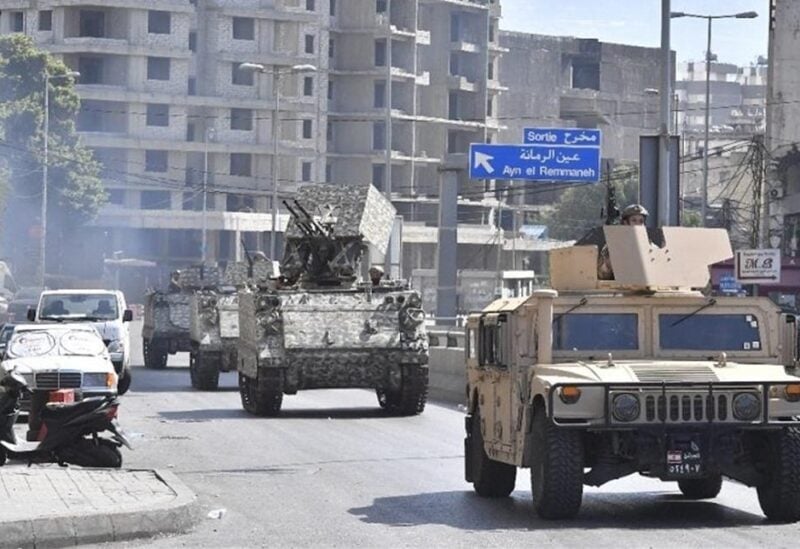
69	432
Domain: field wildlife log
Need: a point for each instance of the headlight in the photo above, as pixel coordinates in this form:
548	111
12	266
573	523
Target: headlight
746	406
625	407
569	394
792	392
95	380
116	346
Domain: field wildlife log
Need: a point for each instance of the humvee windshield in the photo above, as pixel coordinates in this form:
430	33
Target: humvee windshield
725	332
596	331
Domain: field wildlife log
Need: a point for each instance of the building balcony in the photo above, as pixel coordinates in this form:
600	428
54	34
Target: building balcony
495	86
134	218
464	46
460	83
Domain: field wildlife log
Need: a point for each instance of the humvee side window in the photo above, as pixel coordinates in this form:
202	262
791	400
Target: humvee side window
487	338
491	342
738	332
596	331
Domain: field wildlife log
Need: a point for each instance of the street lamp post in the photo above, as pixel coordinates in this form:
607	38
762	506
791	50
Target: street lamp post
277	71
209	136
46	131
709	19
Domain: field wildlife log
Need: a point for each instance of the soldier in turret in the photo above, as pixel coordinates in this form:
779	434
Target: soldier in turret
633	214
376	274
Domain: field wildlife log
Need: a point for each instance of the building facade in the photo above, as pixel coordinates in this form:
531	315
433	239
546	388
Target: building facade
185	135
556	81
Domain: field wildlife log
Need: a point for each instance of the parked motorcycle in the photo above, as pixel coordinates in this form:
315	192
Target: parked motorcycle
69	433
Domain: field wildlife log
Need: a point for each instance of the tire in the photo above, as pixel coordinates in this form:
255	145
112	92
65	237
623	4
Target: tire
124	381
490	478
262	396
779	496
204	370
556	469
3	456
86	453
701	488
410	400
155	357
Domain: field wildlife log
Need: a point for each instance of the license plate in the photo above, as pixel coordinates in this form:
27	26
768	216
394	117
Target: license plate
684	462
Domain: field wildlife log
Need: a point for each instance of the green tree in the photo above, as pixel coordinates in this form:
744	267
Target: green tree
75	191
582	207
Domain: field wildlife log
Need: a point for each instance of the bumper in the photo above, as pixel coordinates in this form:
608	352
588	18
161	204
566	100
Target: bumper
673	405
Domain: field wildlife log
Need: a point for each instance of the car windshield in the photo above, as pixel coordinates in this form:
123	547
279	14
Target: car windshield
5	333
596	331
32	343
79	306
709	332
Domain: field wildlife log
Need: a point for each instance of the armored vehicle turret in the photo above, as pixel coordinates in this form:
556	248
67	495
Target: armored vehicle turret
596	379
318	326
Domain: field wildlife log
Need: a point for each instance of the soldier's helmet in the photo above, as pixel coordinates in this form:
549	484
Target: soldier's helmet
375	270
634	209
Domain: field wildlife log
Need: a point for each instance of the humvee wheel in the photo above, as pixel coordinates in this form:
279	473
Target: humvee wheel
557	469
204	370
155	357
413	394
701	488
779	496
262	396
490	478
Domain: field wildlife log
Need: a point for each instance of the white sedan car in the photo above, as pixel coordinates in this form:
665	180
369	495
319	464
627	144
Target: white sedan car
61	356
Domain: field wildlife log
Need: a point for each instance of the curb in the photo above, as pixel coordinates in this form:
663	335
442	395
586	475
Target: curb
177	517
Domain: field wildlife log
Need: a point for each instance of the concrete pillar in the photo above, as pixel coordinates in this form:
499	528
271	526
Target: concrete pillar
446	256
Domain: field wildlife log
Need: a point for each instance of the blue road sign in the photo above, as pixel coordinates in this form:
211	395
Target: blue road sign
534	162
729	284
577	137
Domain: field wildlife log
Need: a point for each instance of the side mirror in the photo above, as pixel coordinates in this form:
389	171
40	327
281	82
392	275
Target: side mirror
789	341
127	316
31	314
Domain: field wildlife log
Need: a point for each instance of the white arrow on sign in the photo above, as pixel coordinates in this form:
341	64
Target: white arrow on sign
482	161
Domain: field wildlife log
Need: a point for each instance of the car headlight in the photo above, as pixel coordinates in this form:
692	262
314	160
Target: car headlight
116	346
746	406
95	380
625	407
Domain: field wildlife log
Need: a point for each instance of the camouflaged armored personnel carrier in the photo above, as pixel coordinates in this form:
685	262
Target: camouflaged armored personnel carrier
214	320
167	315
594	379
319	327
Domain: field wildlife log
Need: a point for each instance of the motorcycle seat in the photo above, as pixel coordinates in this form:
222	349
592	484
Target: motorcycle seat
62	412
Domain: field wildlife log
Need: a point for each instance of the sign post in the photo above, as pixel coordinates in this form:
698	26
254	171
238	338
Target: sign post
758	266
548	154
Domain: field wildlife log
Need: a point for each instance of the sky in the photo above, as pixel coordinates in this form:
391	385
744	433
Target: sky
638	23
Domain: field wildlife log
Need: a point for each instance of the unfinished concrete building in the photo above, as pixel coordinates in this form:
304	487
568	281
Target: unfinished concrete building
557	81
176	123
397	86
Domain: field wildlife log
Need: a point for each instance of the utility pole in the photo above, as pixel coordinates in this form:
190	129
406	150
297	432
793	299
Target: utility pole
209	136
45	160
664	118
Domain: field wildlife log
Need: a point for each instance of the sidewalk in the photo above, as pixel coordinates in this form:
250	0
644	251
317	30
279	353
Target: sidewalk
52	506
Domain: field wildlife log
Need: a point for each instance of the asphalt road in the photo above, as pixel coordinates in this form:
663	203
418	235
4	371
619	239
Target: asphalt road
333	471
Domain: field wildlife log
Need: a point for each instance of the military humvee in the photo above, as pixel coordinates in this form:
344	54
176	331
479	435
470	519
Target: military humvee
594	380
